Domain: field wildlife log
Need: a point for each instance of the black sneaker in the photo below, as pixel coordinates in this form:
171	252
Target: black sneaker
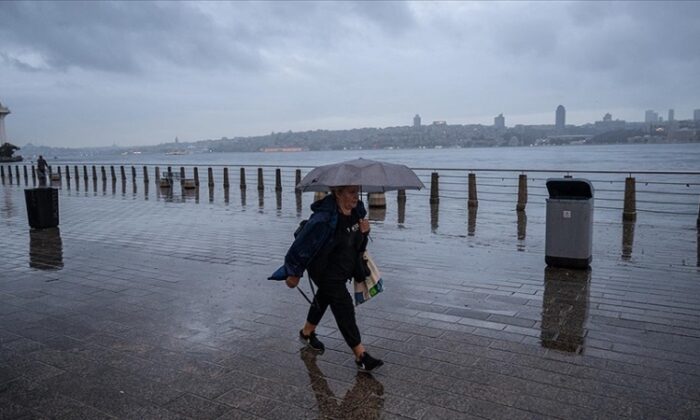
368	363
312	341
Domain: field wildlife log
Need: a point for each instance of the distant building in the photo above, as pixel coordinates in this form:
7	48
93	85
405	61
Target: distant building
560	120
609	124
416	121
696	115
499	121
440	122
3	113
671	117
650	116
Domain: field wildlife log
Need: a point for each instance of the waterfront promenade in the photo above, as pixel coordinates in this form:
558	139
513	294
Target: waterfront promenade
146	306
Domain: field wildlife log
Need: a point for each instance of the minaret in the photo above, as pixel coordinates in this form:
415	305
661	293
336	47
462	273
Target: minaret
3	113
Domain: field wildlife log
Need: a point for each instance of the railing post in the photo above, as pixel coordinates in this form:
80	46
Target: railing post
522	192
434	188
157	175
297	178
77	173
210	174
473	201
278	179
196	177
182	173
243	185
122	173
133	174
145	174
26	175
629	213
112	173
226	182
261	185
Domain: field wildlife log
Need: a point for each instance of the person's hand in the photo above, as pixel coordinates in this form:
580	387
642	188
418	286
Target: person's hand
292	281
364	226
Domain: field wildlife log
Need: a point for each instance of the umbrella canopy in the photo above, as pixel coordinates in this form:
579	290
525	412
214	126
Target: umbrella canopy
370	175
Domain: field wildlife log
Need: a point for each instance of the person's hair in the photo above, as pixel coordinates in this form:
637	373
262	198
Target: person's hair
337	190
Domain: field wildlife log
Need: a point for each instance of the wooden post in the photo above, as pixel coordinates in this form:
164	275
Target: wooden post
170	173
210	176
77	173
26	175
9	172
376	200
261	185
473	201
122	173
2	172
401	198
522	192
297	178
629	212
17	172
226	183
243	185
697	223
112	173
434	188
157	175
196	177
104	174
278	179
59	174
33	175
182	173
133	174
145	174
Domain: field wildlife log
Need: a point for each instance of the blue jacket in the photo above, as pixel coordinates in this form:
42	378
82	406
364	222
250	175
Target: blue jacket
313	237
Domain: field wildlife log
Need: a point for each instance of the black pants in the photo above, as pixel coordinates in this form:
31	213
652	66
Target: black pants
335	294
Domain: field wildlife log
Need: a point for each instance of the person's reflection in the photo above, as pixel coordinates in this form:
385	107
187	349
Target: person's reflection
565	308
522	227
471	221
434	211
364	400
627	239
45	249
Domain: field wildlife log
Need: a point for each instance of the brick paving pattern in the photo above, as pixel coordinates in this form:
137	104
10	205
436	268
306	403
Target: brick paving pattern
147	306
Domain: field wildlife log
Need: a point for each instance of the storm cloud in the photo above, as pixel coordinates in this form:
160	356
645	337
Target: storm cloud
97	73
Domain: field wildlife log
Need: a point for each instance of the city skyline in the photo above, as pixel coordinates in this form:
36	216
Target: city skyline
107	73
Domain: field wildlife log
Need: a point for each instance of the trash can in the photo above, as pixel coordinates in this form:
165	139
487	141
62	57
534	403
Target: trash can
569	224
42	207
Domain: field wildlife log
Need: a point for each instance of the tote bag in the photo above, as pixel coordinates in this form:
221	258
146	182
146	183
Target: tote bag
372	285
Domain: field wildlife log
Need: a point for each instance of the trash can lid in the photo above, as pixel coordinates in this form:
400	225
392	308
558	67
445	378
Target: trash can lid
572	188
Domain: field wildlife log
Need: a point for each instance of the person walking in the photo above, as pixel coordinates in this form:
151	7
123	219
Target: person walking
329	246
41	166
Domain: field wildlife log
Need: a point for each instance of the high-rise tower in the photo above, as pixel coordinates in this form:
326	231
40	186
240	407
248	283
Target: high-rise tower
560	121
499	121
3	113
416	121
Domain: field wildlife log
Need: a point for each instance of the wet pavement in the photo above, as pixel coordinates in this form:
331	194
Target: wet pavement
147	305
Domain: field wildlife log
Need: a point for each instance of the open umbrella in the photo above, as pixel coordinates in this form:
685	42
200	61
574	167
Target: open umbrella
370	175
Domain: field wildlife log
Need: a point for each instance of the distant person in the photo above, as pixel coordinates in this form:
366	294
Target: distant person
41	167
330	246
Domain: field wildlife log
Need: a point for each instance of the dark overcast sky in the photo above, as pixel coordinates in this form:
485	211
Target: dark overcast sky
98	73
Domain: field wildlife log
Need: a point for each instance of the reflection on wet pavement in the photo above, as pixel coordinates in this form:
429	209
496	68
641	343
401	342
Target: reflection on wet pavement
522	228
564	308
434	212
45	249
363	401
471	220
377	214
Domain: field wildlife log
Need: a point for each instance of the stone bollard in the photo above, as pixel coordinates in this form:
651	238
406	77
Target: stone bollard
297	178
122	173
434	188
196	177
522	192
278	179
210	176
133	174
226	183
261	184
243	186
472	201
145	174
182	173
112	173
376	200
629	212
157	175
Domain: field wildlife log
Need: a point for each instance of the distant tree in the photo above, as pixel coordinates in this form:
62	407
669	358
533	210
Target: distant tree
7	150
